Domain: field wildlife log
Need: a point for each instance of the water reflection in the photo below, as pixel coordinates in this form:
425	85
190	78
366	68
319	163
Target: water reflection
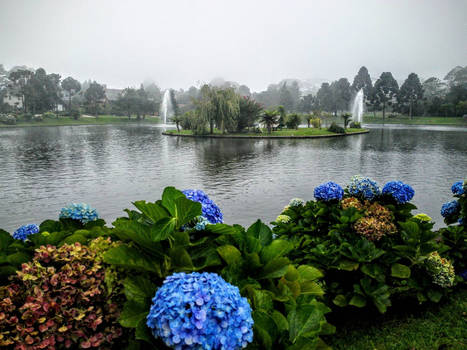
44	168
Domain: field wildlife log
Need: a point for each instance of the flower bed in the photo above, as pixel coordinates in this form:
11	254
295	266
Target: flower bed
171	274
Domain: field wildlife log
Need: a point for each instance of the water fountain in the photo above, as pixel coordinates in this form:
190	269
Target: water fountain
166	107
357	107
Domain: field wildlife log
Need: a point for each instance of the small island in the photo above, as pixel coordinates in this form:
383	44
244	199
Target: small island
301	133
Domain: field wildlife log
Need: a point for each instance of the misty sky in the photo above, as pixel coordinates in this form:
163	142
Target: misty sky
181	43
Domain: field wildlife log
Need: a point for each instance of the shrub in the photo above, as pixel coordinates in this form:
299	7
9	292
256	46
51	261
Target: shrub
370	252
336	128
454	235
9	119
292	121
37	118
316	122
27	116
59	299
363	187
50	115
355	125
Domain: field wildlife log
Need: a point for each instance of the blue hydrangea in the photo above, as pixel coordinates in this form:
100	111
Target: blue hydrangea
200	311
458	188
79	211
328	192
198	224
363	187
401	192
24	231
450	208
209	209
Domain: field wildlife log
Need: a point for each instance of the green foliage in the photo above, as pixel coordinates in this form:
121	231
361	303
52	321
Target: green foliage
363	265
336	128
13	253
292	121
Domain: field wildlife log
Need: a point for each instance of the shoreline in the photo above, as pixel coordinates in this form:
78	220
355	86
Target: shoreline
365	131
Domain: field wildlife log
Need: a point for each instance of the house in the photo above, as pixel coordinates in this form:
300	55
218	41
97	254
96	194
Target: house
12	99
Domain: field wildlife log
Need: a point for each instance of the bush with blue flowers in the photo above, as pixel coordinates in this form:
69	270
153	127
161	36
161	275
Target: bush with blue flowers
80	212
210	210
200	311
399	191
328	191
24	231
363	187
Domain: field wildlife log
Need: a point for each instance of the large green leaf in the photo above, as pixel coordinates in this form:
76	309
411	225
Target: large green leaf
18	258
131	258
152	211
50	226
132	314
265	329
309	273
260	231
275	268
304	321
5	240
187	210
180	259
358	301
163	229
311	288
230	254
139	289
400	271
142	332
276	249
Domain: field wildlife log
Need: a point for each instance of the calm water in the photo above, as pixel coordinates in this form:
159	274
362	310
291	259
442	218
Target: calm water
45	168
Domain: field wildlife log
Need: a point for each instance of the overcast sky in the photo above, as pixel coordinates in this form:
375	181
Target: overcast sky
181	43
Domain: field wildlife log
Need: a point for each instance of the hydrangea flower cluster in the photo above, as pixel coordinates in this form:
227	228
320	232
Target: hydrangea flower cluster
423	217
450	209
200	311
458	188
296	202
209	209
363	187
377	222
328	191
441	269
24	231
400	191
201	223
283	219
79	211
351	202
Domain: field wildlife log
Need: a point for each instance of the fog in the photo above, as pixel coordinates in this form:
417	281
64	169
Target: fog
181	43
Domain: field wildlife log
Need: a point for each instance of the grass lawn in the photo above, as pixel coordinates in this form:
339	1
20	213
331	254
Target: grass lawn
370	119
283	132
439	327
101	120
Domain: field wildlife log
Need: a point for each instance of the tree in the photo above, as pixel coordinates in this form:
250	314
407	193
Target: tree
93	96
293	121
250	111
434	92
177	120
286	98
282	115
346	117
269	118
20	79
128	101
362	81
71	86
410	92
306	103
325	97
385	90
227	106
341	95
173	102
308	117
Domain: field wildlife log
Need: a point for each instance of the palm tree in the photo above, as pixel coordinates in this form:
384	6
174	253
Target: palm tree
269	118
346	117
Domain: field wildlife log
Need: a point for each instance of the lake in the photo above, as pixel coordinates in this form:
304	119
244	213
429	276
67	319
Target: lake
109	166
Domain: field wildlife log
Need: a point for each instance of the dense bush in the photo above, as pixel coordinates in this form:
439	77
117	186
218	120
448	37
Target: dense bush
60	300
371	248
316	122
37	118
336	128
355	125
292	121
8	119
50	115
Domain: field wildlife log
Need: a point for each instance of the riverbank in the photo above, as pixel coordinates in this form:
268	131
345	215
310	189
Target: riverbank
101	120
301	133
370	119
